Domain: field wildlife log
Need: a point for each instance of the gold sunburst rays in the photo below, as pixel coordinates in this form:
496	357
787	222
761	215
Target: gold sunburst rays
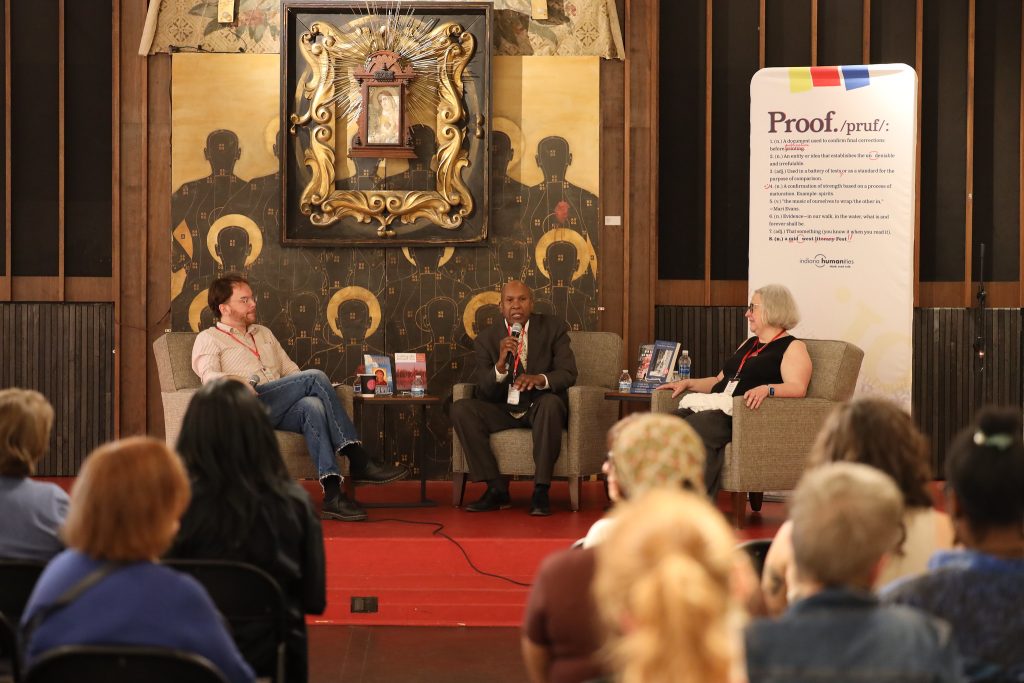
441	52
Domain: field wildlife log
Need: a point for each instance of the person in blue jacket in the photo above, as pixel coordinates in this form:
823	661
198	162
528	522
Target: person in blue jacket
125	510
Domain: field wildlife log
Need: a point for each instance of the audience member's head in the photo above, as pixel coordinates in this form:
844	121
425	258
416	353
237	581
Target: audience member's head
232	456
26	418
651	451
664	590
985	475
127	501
877	432
846	518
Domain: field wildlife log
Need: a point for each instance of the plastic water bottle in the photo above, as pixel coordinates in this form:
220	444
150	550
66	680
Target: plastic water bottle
357	387
625	383
419	389
684	365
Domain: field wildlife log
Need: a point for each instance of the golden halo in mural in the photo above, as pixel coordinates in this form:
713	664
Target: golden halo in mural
239	221
195	309
515	136
475	304
353	294
583	251
446	256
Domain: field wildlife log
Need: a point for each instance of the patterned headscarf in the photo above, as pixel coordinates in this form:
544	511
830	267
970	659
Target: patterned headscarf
654	451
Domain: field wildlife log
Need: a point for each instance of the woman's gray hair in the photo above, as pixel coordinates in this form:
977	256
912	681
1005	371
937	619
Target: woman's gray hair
778	307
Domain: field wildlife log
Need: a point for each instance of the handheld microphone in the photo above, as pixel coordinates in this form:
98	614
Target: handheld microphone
254	379
517	329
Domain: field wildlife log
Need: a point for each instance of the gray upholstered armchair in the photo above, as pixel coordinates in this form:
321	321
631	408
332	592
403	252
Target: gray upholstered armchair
173	351
770	445
598	360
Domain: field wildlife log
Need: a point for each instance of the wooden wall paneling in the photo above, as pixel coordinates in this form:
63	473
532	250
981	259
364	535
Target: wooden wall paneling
950	385
840	32
679	293
88	140
5	239
996	217
611	261
709	122
788	32
730	292
133	349
919	67
735	61
814	33
865	49
709	333
158	291
969	160
115	209
62	350
944	142
641	206
1020	169
35	150
61	142
681	235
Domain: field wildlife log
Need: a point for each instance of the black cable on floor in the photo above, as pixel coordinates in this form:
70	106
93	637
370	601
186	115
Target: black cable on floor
439	531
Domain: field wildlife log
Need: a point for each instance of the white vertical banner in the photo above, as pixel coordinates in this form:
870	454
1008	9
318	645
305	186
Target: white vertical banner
832	207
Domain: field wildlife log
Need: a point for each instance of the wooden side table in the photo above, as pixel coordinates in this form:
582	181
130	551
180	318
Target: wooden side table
400	400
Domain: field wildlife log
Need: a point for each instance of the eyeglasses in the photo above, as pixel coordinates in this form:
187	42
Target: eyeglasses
751	307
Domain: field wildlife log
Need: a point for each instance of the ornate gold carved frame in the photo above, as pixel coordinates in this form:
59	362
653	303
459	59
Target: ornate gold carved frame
314	116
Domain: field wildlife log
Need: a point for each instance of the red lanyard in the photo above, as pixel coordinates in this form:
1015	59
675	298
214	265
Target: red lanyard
519	349
755	351
255	350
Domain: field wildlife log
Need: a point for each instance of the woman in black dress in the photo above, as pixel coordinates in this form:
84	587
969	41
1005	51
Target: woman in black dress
770	364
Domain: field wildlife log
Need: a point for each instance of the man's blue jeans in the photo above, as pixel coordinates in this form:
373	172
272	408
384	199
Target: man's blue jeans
306	403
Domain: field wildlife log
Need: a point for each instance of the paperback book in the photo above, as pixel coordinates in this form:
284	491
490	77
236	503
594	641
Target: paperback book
407	366
380	367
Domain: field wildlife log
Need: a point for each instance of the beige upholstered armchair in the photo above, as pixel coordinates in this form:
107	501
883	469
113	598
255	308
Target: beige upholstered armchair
173	351
770	445
598	360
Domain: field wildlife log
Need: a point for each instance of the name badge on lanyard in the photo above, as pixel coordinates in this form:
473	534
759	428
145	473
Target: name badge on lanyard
730	388
513	396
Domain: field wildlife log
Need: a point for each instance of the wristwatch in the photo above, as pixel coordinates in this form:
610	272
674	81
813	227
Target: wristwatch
771	390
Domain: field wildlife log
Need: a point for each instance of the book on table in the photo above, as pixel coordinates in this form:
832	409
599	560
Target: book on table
380	366
407	366
654	365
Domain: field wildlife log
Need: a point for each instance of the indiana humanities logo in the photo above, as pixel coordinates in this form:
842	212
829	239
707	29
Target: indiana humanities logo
822	261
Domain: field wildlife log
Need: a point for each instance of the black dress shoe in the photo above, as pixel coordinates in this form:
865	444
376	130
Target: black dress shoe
493	499
540	506
342	509
379	474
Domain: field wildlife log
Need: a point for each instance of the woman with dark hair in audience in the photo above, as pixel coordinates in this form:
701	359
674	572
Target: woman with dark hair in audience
107	588
245	507
881	434
980	590
32	511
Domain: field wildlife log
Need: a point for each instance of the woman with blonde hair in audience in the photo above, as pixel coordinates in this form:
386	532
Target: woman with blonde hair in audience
560	637
669	593
32	511
107	587
881	434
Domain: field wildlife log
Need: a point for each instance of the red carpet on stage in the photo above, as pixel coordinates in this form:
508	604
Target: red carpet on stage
421	578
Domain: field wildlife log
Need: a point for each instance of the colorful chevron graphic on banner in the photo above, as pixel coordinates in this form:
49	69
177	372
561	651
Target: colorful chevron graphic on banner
804	78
